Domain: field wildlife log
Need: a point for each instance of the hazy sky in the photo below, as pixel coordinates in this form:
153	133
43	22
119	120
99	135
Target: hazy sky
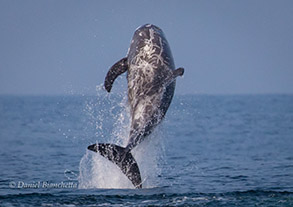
227	46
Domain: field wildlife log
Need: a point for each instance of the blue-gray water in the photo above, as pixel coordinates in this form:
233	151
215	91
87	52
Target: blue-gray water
214	151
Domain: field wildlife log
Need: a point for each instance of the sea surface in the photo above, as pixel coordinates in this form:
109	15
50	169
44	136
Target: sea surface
211	150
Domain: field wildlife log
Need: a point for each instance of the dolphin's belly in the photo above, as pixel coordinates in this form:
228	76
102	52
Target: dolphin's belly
149	101
145	98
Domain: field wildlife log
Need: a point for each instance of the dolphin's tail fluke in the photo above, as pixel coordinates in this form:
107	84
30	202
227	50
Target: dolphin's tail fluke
122	158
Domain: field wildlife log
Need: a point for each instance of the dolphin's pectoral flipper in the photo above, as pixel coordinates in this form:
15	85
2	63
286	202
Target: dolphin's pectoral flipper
173	74
122	158
178	72
117	69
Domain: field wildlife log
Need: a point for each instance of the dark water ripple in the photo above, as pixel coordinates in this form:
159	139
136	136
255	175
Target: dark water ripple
246	198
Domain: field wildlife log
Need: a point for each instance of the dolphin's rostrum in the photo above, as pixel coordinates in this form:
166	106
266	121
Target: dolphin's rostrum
151	78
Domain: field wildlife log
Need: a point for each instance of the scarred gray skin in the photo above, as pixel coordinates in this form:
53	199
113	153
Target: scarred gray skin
151	82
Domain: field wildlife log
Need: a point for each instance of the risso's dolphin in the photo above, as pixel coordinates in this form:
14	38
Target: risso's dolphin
151	78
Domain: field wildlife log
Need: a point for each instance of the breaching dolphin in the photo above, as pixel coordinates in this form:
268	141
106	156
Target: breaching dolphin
151	78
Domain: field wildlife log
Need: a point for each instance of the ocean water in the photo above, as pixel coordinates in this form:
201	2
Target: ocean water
224	150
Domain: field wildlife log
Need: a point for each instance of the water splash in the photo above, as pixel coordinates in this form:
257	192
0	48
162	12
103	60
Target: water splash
110	117
97	172
70	175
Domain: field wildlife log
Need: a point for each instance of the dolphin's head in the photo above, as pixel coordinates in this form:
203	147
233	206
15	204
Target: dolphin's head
143	32
145	35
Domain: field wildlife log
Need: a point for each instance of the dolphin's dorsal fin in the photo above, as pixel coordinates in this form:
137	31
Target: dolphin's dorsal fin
117	69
